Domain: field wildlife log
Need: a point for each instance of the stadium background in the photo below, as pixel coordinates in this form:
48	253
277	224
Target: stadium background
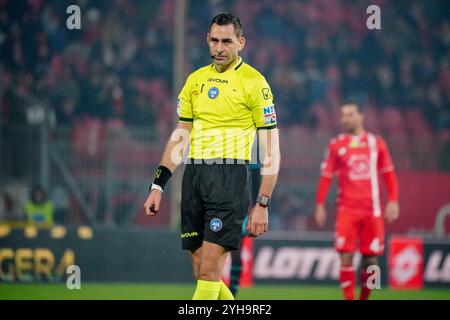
85	113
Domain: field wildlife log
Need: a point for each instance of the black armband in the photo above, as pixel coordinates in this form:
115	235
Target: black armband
162	175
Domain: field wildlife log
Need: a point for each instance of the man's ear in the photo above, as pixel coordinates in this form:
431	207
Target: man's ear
241	43
207	38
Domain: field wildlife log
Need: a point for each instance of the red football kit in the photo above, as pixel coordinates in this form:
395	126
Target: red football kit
358	161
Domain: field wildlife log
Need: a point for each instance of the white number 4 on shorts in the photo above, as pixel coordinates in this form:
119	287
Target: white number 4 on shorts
375	245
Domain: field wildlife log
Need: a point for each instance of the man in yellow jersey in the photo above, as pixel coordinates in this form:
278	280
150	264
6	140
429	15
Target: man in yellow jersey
221	107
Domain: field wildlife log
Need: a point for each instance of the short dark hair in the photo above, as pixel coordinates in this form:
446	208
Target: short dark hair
354	102
223	19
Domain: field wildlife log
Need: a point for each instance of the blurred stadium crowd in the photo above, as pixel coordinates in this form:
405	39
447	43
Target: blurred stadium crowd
118	66
314	53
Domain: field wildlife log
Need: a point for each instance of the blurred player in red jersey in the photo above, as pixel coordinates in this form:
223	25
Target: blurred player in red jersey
357	158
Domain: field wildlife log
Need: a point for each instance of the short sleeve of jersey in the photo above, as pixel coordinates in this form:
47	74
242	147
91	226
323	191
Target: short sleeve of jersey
384	163
328	168
184	103
261	105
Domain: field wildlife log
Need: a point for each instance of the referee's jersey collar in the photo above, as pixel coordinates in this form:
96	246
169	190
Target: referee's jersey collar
234	67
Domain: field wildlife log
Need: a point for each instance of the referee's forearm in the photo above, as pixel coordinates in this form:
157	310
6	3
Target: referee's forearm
268	183
176	147
270	161
167	158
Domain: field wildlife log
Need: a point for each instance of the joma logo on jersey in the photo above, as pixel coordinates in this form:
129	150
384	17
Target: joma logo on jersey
217	80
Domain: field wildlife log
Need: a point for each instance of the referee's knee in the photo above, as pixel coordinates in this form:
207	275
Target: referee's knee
208	272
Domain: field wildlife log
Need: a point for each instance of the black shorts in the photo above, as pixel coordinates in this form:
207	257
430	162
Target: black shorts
215	199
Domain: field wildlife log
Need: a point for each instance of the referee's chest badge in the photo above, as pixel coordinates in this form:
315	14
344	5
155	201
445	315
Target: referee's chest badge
213	93
216	224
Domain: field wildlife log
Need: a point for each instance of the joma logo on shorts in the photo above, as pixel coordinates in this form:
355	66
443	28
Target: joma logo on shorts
189	235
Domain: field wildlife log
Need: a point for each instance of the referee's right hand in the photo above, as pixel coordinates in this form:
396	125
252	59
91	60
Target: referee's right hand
152	203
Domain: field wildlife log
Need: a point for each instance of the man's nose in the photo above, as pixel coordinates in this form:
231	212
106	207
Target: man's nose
220	47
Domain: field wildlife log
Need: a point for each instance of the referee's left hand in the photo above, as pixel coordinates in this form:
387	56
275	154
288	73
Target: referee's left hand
258	221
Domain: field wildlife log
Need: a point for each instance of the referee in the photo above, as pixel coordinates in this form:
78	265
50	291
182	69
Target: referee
221	107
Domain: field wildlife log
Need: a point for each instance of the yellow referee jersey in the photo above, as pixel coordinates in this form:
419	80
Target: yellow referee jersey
226	109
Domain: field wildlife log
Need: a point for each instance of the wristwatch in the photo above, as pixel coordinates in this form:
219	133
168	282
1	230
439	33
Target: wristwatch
263	201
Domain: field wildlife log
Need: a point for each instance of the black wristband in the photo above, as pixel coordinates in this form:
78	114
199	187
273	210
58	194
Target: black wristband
162	175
